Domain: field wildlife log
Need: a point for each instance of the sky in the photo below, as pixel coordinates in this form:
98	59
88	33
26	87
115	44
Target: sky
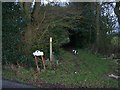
112	14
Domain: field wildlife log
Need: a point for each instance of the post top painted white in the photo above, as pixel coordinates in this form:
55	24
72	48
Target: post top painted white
50	39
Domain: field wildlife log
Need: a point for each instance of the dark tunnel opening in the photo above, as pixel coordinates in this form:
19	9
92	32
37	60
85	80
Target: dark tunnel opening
74	43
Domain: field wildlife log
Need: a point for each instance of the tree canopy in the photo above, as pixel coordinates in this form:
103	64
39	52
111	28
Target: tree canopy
81	25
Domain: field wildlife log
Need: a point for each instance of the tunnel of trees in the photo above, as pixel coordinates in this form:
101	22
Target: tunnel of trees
79	25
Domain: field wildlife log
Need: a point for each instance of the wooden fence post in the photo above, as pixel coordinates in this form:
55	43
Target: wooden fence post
51	49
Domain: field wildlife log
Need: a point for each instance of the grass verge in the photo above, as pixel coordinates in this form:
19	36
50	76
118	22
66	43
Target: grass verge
82	70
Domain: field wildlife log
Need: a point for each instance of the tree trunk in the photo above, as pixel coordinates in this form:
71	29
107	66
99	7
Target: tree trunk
97	26
117	10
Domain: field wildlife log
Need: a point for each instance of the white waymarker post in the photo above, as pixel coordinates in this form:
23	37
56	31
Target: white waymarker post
51	49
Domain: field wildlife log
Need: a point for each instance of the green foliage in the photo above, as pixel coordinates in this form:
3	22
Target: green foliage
107	23
12	28
64	24
60	36
115	41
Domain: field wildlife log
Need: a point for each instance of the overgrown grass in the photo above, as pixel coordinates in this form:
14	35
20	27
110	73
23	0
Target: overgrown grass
82	70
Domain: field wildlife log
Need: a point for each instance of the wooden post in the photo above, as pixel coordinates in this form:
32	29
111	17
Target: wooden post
36	61
43	61
51	49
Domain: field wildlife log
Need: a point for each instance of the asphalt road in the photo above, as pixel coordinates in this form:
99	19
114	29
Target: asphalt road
12	84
